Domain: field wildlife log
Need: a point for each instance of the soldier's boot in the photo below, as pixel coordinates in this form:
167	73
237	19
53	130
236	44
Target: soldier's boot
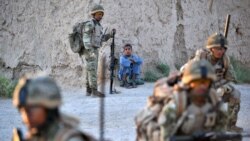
88	91
234	109
233	127
96	93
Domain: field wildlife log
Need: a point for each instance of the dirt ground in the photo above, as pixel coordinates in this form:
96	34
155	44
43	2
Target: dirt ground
120	110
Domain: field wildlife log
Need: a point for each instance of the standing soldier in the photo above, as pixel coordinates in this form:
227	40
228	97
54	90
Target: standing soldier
93	37
194	107
215	53
38	101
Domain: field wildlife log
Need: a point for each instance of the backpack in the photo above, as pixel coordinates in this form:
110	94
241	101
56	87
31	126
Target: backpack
75	38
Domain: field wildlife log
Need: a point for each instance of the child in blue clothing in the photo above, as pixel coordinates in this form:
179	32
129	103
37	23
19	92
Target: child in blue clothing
129	68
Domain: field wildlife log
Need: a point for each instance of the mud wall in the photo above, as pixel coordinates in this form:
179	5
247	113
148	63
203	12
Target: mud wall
33	33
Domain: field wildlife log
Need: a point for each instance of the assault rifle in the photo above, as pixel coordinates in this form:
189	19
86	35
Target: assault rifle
112	63
210	136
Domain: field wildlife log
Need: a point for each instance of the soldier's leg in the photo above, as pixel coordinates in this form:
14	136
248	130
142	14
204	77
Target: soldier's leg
91	66
233	109
85	57
88	88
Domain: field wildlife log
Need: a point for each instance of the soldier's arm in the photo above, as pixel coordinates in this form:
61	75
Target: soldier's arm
230	74
106	36
87	34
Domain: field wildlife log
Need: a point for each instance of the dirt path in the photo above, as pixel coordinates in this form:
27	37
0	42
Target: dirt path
120	110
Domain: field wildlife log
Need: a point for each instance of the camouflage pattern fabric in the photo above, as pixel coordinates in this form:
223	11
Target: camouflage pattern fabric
180	117
147	126
225	76
91	57
93	37
63	130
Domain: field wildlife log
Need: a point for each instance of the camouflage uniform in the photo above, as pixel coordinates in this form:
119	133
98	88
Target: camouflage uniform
92	38
181	116
225	77
44	92
147	126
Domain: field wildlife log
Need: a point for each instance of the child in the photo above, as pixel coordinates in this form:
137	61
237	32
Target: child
129	67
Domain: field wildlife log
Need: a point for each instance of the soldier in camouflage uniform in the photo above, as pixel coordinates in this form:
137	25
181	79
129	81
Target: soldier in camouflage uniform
215	53
93	37
38	101
147	126
194	106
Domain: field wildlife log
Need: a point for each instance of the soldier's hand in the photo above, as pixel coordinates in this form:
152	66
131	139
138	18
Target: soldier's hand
228	88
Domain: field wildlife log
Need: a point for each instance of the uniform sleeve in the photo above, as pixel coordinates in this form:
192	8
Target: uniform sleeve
107	34
87	34
106	37
230	74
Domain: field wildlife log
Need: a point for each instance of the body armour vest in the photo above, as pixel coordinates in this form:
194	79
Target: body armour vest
198	118
96	38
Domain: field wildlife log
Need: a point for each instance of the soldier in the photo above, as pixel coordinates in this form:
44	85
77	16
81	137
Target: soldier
38	101
215	53
93	37
194	106
147	126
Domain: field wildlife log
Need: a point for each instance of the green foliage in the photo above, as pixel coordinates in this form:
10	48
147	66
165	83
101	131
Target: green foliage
6	87
150	76
163	69
160	70
242	72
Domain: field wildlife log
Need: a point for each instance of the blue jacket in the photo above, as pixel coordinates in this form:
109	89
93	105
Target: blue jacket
127	67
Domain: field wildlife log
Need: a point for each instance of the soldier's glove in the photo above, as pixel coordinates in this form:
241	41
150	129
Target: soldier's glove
227	89
220	92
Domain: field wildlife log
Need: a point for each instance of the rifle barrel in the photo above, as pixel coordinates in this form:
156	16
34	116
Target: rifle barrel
112	64
227	26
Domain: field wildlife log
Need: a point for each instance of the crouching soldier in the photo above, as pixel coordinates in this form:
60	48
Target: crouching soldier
215	53
38	101
147	126
194	106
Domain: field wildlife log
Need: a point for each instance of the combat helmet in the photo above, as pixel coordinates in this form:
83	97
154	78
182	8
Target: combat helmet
216	40
42	91
198	69
97	8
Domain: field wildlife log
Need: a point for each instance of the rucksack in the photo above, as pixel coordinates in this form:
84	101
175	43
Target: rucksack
75	38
